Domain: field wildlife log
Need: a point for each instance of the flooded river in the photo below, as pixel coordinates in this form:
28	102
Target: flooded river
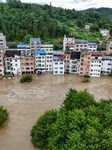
26	102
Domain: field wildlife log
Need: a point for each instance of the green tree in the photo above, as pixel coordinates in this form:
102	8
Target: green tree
85	126
75	99
41	130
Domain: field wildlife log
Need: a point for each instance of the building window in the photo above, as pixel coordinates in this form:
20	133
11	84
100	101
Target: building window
61	67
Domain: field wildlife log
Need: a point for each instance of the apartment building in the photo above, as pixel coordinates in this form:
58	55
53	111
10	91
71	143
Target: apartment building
92	46
35	43
2	65
74	65
67	61
2	41
95	65
40	60
109	45
27	64
85	62
12	62
105	32
58	62
49	56
25	50
106	65
68	43
72	44
81	45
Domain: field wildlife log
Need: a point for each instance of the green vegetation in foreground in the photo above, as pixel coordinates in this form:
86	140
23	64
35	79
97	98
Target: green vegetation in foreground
26	78
80	124
3	115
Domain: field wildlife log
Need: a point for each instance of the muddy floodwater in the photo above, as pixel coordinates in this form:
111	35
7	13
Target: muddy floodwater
26	102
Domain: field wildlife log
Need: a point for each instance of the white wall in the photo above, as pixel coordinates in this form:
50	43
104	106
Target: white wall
58	67
16	65
74	66
95	67
106	67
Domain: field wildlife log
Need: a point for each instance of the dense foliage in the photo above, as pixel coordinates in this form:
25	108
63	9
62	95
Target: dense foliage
3	115
20	21
26	78
80	124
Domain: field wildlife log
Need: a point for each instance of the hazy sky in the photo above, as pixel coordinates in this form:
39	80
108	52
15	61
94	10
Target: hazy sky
76	4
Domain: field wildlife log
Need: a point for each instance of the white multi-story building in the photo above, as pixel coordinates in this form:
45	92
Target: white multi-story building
109	45
40	60
81	45
105	32
95	65
16	65
68	43
74	66
49	56
35	43
106	65
12	62
2	41
92	47
58	62
49	62
71	44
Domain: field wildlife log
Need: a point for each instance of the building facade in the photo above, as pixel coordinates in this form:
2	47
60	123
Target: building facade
2	64
12	62
67	61
106	65
40	60
27	64
35	43
68	43
92	47
58	62
74	66
2	41
85	63
109	45
95	66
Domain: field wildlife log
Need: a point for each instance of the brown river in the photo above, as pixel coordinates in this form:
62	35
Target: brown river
26	102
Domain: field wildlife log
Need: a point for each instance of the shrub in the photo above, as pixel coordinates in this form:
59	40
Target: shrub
85	80
80	124
3	115
26	78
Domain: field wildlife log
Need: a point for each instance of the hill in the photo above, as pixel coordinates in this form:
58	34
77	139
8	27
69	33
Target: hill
20	21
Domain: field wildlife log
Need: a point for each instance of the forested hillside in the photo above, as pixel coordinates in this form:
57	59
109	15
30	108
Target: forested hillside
20	21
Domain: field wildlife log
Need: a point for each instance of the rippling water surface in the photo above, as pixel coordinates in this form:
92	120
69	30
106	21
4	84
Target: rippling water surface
26	102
